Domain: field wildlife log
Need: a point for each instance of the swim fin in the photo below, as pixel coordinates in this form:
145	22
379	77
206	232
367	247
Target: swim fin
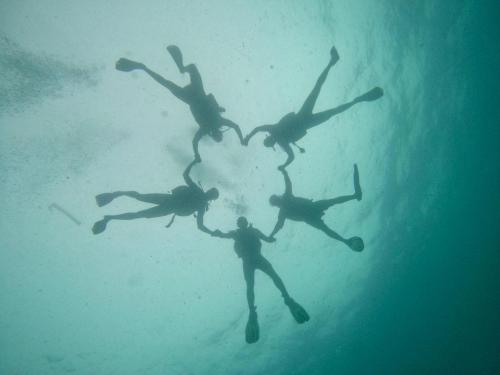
356	244
357	187
100	226
334	55
252	328
176	54
126	65
298	312
371	95
104	198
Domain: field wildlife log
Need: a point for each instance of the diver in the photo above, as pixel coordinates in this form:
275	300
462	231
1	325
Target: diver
247	246
294	126
205	109
310	212
184	200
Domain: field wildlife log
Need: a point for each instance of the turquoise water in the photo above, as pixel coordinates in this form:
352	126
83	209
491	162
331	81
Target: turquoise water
422	298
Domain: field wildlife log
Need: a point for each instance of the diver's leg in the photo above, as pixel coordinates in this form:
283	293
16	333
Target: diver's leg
354	243
319	224
320	117
252	328
308	105
249	273
266	267
327	203
358	194
149	213
195	77
105	198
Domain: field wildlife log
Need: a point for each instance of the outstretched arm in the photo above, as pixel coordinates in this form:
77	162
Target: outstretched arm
199	222
286	147
188	179
263	128
218	233
263	237
234	126
288	183
279	225
196	140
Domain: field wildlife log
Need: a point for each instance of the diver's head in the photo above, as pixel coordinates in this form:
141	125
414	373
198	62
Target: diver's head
216	135
242	222
270	141
274	200
212	194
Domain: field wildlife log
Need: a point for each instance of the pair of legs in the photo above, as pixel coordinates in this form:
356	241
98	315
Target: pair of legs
261	263
313	119
161	201
355	243
249	266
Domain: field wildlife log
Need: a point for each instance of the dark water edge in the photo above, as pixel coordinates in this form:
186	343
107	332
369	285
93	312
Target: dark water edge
437	312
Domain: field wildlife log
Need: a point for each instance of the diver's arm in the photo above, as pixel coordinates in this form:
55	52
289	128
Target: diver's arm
199	222
288	183
234	126
263	128
218	233
263	237
279	225
286	147
196	141
188	180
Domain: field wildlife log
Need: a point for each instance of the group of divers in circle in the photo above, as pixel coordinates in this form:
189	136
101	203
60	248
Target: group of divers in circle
191	199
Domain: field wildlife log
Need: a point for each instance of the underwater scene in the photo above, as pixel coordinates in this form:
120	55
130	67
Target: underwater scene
249	187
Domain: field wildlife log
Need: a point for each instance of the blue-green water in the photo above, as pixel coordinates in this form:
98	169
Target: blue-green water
142	299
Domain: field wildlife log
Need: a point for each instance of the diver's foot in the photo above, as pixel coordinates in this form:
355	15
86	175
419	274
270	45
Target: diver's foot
252	328
357	187
356	244
100	226
126	65
104	198
334	56
176	54
372	95
298	312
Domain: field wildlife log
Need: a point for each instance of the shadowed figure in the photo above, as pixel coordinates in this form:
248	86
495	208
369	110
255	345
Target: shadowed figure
310	212
247	245
184	200
204	107
294	126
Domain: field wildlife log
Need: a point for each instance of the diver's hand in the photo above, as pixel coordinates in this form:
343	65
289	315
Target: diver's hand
216	233
271	239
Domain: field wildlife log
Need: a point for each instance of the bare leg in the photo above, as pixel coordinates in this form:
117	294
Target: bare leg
268	269
321	117
319	224
105	198
354	243
308	105
327	203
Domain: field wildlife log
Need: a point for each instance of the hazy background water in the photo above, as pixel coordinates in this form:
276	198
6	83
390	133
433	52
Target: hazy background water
141	299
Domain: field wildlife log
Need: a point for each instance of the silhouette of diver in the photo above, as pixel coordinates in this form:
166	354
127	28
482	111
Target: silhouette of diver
205	109
293	126
310	212
247	246
184	200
